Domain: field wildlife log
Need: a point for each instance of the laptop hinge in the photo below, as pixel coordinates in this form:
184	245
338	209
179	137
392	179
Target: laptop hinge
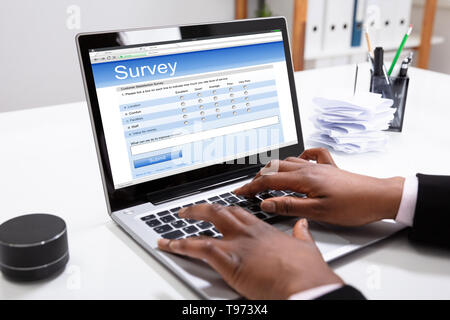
171	195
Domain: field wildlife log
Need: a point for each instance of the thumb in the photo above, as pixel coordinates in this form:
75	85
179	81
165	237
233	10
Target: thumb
301	231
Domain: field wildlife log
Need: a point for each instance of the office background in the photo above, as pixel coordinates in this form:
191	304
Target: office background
39	64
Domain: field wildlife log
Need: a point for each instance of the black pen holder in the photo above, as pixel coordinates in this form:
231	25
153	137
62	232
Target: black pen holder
397	90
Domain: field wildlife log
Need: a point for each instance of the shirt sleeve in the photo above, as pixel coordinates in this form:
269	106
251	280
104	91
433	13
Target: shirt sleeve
405	216
316	292
407	207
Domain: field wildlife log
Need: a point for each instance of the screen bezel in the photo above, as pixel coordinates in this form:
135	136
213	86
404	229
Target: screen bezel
138	193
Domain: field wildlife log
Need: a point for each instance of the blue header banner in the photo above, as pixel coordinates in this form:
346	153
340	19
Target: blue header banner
162	67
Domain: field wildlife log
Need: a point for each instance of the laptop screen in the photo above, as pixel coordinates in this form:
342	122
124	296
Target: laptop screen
175	106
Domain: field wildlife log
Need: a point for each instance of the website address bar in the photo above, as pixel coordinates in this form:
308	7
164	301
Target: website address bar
212	46
231	39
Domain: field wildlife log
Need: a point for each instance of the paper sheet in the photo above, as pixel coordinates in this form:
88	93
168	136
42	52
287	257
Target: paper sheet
352	124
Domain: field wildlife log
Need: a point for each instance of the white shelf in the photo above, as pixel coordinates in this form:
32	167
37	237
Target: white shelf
413	42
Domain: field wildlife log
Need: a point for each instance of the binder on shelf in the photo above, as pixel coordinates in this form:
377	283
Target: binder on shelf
358	21
402	19
395	20
388	25
338	25
372	20
314	27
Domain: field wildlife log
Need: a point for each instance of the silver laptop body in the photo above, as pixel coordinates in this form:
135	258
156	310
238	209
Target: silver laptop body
154	94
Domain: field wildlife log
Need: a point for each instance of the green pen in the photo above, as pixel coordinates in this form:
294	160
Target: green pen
399	51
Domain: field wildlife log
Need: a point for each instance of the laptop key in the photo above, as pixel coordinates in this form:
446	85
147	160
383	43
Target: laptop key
191	221
243	204
221	202
173	235
167	219
240	197
212	199
207	233
201	201
204	225
178	224
152	216
153	223
264	196
163	213
254	208
174	210
226	195
254	200
299	195
278	193
188	205
190	229
192	235
232	200
260	215
162	229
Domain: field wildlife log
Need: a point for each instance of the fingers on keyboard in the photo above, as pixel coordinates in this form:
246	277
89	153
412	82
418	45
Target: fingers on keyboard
171	226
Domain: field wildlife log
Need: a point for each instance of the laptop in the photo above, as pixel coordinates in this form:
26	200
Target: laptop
183	115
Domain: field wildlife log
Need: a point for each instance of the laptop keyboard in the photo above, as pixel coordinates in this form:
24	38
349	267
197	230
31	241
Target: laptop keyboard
170	226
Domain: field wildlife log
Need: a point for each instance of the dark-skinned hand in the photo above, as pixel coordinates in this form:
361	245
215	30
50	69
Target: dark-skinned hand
333	195
253	257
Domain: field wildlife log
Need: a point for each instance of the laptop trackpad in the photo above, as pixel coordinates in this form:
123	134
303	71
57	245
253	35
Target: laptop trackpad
199	275
325	239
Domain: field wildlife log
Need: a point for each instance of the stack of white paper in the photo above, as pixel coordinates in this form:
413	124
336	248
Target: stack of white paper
353	124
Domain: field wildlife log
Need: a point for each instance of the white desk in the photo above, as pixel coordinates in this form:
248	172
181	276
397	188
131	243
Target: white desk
48	164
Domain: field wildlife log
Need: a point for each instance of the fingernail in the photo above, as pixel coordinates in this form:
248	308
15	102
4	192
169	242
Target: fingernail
163	242
269	173
304	222
174	244
268	206
181	211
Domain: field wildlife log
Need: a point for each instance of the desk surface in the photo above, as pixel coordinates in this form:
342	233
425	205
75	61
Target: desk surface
49	164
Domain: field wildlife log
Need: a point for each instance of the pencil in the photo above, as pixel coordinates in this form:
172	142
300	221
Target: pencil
369	45
399	51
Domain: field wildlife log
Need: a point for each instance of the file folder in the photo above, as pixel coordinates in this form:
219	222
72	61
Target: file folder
338	25
402	19
358	17
314	27
372	21
395	20
389	10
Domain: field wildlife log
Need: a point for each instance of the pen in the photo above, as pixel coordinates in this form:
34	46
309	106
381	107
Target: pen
370	59
386	75
378	64
405	64
399	51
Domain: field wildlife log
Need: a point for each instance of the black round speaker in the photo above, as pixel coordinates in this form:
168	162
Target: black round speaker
33	247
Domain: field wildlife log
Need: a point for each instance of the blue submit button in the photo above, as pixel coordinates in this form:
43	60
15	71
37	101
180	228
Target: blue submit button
157	159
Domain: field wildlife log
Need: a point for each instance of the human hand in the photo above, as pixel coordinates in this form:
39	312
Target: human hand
333	195
254	258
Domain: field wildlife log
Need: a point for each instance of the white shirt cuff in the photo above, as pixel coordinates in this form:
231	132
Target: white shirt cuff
316	292
407	208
